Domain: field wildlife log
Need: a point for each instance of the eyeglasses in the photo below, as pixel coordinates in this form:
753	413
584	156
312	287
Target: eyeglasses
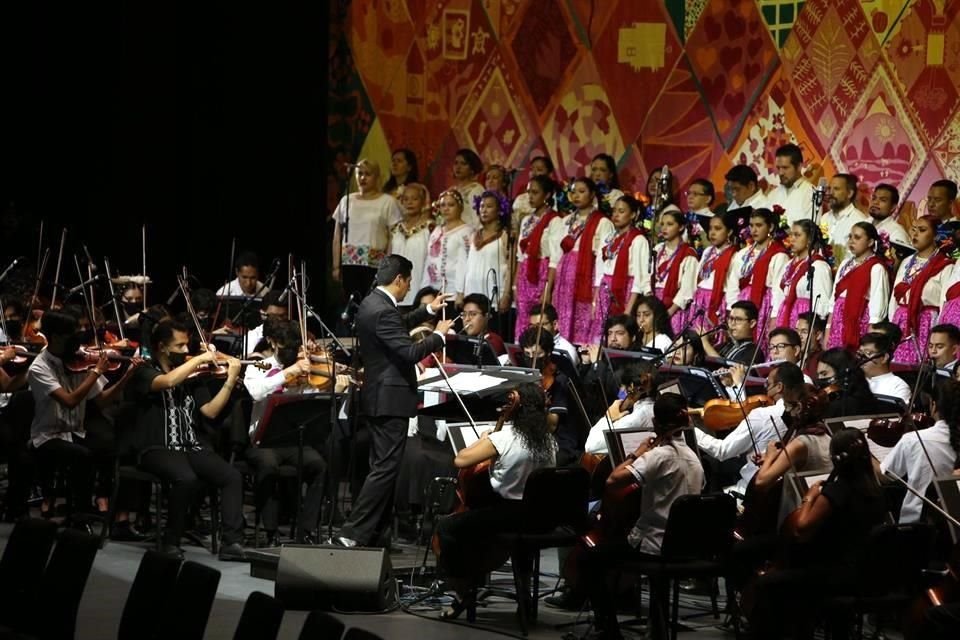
736	319
864	354
780	346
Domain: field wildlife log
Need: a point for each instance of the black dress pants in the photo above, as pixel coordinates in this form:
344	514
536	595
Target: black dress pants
184	472
266	462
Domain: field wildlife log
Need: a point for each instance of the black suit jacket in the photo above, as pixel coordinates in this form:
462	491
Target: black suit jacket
389	356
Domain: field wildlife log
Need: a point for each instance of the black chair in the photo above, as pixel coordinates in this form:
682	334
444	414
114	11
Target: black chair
321	625
555	515
696	544
53	615
355	633
21	568
889	572
149	594
185	617
261	618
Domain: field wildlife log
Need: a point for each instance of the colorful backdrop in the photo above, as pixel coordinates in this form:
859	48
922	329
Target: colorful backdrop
864	86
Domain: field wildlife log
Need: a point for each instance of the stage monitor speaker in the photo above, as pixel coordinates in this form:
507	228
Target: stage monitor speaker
345	579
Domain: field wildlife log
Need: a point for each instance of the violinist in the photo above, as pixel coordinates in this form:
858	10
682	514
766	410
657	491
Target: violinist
850	394
813	345
920	456
13	314
546	315
131	304
247	282
666	469
168	438
270	307
58	432
741	324
876	352
555	383
516	451
759	428
942	347
287	372
622	334
634	410
832	525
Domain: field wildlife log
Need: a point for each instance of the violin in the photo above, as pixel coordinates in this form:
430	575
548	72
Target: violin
23	355
219	369
887	433
86	358
721	414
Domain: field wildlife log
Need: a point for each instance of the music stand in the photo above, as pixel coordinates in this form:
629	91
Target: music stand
618	445
471	350
229	343
286	414
241	310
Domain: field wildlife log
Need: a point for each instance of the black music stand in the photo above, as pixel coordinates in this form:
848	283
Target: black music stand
471	350
287	414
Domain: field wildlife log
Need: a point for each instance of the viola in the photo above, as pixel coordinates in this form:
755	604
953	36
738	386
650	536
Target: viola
721	414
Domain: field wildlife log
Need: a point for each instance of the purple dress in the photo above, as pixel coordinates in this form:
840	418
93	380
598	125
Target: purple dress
906	352
574	317
529	293
602	311
835	339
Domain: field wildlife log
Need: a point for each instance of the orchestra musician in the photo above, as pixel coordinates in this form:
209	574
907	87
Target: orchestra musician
270	307
537	348
876	353
838	368
741	324
943	345
633	411
247	281
813	346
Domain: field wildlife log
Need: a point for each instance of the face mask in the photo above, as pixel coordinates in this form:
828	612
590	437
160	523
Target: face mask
177	358
15	328
823	383
131	308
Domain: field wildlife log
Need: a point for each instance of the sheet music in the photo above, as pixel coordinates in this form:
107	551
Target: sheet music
465	382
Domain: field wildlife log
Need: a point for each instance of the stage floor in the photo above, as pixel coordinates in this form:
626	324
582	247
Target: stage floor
116	564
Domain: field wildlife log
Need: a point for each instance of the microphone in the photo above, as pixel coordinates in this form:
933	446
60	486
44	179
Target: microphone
83	284
819	193
286	292
10	267
351	307
90	262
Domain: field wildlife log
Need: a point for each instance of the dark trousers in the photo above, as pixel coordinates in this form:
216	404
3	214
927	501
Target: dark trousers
81	460
14	437
467	546
183	472
266	462
373	508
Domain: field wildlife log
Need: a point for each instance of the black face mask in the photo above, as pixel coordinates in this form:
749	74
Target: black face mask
15	329
177	358
287	356
823	383
132	307
72	345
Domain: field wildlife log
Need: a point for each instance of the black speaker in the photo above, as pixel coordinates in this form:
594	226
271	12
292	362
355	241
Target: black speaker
347	579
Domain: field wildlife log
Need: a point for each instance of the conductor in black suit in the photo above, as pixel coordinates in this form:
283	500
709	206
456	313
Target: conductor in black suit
388	397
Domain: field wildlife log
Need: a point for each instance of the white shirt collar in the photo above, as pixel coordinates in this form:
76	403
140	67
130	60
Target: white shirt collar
846	211
389	295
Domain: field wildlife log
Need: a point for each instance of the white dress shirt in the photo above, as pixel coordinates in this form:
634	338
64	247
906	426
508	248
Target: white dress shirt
797	201
757	201
641	417
566	347
908	461
739	442
894	229
889	384
233	288
839	225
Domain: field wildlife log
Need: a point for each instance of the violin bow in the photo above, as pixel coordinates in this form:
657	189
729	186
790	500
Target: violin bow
456	394
443	317
56	275
143	249
3	324
193	315
738	396
42	269
39	249
927	501
113	297
87	304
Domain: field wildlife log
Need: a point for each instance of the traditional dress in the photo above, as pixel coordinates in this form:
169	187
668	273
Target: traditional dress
861	295
533	264
760	270
446	257
713	279
950	299
574	243
487	266
791	297
914	304
411	242
621	270
675	280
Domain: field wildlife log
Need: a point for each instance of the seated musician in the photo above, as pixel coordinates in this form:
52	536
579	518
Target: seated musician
812	345
516	450
943	347
14	429
783	345
622	334
168	439
759	428
827	532
876	352
270	307
920	456
58	432
633	411
476	318
14	313
247	283
853	397
287	372
665	468
131	304
547	316
741	323
555	383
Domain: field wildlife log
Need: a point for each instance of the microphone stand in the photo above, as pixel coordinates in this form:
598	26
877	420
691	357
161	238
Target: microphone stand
9	268
810	329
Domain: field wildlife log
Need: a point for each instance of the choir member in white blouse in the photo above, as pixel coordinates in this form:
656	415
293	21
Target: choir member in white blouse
361	242
448	245
792	296
403	171
467	168
759	267
603	172
487	268
410	237
861	289
675	268
531	269
714	273
883	213
539	166
917	290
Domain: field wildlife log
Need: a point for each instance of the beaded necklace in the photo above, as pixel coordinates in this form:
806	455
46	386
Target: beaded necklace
663	269
613	246
750	261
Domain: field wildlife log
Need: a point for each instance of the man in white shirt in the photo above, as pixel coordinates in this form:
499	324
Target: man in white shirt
547	316
841	217
745	187
637	380
270	307
940	199
942	347
883	213
700	196
758	429
247	283
794	193
876	351
922	455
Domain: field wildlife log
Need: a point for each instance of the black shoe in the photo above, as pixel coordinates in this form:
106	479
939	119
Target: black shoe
232	551
468	604
273	540
126	532
567	599
172	550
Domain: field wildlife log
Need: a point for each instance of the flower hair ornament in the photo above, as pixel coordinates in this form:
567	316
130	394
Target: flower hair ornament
503	204
453	193
948	239
781	231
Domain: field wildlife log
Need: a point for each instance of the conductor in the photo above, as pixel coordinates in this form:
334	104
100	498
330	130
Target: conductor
388	397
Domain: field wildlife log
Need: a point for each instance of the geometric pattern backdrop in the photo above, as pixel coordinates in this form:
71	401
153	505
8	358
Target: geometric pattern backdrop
863	86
